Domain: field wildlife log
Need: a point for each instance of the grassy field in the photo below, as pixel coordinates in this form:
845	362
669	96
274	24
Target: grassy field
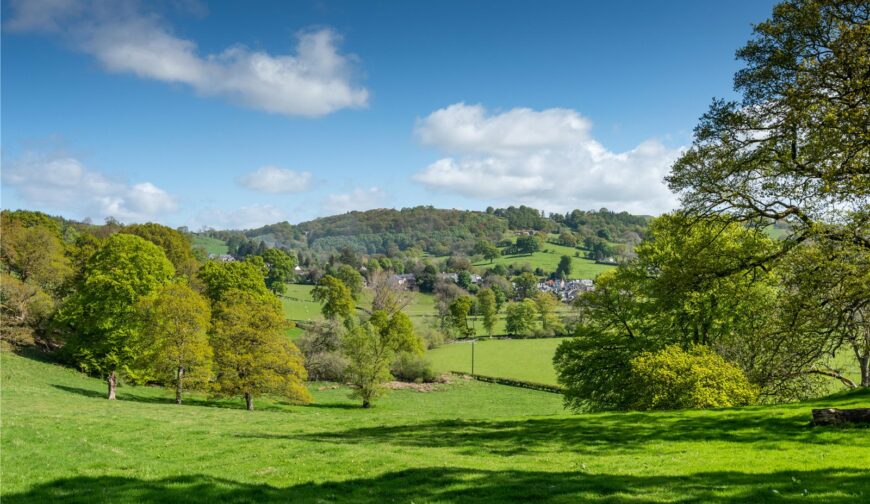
467	441
211	245
532	360
548	258
520	359
300	306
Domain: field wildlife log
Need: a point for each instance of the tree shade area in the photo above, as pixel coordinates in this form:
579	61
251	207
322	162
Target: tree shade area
467	441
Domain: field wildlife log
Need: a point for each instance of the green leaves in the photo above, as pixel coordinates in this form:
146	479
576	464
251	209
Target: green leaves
102	315
335	297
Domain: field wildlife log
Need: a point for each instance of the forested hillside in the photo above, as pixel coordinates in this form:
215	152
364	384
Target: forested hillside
431	230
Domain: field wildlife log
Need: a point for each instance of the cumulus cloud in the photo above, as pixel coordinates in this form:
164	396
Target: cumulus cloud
543	158
272	179
64	183
314	81
358	199
247	217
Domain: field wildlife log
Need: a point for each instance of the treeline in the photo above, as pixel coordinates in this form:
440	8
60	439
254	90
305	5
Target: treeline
424	229
139	303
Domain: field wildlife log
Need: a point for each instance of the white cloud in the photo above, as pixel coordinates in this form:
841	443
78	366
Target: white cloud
314	81
358	199
247	217
542	158
64	183
272	179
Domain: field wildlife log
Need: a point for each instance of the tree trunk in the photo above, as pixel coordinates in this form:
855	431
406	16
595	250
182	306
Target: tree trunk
249	401
865	370
178	381
112	380
366	404
834	416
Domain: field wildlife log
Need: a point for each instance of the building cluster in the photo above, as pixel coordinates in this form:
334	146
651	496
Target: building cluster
567	290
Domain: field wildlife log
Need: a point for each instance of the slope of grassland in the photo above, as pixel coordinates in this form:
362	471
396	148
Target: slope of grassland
548	258
518	359
468	441
211	245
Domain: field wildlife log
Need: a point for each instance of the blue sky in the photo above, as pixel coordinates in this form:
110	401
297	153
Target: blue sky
238	114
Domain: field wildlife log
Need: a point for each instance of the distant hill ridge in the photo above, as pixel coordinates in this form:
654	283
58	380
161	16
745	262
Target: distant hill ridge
433	230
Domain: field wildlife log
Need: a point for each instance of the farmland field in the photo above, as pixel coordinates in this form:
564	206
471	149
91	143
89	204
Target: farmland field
519	359
548	258
211	245
467	441
300	306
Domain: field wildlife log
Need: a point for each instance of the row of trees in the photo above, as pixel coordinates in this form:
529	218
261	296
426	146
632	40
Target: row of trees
794	150
139	304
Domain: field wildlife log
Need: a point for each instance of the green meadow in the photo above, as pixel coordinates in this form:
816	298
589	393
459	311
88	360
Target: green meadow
299	306
211	245
548	258
518	359
466	441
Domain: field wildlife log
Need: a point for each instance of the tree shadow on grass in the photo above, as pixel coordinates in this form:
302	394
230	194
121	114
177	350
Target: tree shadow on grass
592	434
131	395
455	485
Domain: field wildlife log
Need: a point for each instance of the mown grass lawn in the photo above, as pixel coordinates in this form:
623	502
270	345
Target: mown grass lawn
469	441
519	359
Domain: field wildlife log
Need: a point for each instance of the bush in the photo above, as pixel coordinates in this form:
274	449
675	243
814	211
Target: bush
673	378
432	337
326	366
320	344
411	368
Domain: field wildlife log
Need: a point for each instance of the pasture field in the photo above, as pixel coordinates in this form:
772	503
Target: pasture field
518	359
211	245
467	441
548	258
300	306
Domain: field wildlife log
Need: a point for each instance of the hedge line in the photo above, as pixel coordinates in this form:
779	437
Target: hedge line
513	383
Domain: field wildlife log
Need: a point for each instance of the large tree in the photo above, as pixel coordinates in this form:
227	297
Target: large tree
335	297
796	147
280	265
251	353
563	270
459	311
351	278
520	317
222	277
525	285
388	294
175	245
487	249
372	346
675	293
101	316
487	308
174	337
34	252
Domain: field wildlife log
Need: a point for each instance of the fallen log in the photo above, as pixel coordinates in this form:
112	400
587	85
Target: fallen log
835	416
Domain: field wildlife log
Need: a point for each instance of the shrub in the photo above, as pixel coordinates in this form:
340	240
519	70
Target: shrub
320	344
326	366
412	368
673	378
432	337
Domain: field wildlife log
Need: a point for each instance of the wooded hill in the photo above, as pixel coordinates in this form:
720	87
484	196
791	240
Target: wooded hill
432	230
